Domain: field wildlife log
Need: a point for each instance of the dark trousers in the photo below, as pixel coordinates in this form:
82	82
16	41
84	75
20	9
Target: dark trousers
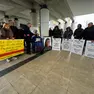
33	47
84	47
28	46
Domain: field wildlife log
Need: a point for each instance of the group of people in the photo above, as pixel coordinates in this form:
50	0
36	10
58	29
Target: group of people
79	33
10	31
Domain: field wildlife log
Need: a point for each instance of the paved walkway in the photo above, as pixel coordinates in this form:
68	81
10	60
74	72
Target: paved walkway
52	73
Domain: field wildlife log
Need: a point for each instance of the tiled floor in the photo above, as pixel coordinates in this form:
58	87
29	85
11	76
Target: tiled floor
52	73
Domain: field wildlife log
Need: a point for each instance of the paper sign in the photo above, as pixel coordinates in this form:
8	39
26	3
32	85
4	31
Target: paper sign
56	44
89	51
66	44
77	46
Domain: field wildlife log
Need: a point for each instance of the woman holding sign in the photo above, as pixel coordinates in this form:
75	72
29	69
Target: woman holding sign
6	33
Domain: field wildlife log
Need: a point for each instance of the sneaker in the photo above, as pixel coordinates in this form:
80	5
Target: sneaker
7	60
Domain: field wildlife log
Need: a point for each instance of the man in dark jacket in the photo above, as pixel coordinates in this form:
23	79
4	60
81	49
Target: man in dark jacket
88	33
50	32
78	32
68	33
57	32
27	37
21	33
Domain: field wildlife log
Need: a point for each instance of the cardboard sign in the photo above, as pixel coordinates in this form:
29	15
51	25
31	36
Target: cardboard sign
56	44
77	46
66	44
89	51
10	48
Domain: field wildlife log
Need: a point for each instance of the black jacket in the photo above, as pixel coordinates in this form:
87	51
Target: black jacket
78	32
68	34
15	31
88	33
27	34
21	34
57	33
50	32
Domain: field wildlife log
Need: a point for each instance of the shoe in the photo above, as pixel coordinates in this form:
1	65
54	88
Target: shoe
7	60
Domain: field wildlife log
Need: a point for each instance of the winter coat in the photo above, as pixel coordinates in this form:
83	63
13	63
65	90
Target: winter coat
15	32
57	33
78	32
6	34
88	33
68	34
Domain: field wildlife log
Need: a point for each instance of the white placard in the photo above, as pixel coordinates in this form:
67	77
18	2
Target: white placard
77	46
66	44
56	43
89	51
47	41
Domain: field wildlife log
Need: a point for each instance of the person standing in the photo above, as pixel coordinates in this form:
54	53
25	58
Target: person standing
57	32
78	32
6	33
88	33
27	36
68	33
50	32
14	29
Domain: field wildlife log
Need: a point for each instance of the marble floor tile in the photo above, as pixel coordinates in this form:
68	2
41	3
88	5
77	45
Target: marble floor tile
37	91
3	82
13	76
35	78
23	86
8	90
77	88
48	87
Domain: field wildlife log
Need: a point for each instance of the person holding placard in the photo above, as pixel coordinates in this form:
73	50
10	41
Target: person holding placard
6	33
88	33
57	32
78	32
68	33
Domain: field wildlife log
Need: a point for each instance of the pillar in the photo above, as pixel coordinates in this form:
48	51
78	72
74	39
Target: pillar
34	17
44	20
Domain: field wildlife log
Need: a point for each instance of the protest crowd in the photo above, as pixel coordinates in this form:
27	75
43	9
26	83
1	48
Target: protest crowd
10	31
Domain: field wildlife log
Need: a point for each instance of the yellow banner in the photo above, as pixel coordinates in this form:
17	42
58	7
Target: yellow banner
10	48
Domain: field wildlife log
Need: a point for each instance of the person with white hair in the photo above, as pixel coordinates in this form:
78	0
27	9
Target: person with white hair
88	33
27	37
